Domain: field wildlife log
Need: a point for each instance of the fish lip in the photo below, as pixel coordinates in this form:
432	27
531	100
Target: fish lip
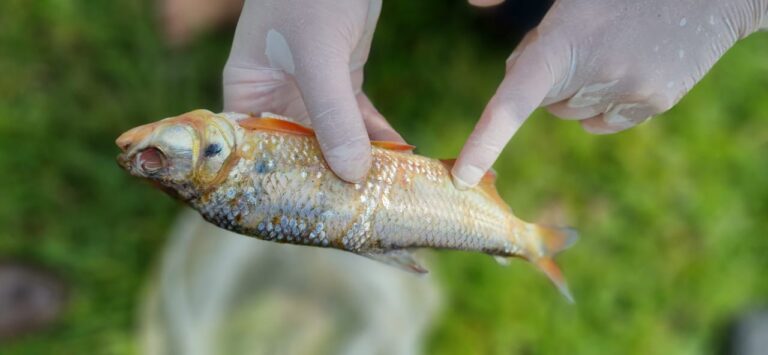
124	161
128	140
125	142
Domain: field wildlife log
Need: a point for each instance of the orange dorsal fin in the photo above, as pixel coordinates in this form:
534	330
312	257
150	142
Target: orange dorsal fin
487	184
489	178
276	125
391	145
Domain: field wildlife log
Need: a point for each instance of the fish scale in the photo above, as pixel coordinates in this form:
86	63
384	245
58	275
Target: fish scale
265	177
285	189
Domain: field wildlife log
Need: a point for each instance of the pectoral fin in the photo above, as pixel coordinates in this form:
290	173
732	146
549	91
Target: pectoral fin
401	259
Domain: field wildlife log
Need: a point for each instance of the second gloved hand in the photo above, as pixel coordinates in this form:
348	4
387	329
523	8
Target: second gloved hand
304	59
610	64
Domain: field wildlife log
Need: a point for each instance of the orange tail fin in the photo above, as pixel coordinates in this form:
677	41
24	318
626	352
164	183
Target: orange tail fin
553	241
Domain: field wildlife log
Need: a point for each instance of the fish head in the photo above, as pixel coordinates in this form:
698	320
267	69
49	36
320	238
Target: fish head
181	152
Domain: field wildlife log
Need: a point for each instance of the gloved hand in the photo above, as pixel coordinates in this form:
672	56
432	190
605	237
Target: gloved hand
304	59
611	64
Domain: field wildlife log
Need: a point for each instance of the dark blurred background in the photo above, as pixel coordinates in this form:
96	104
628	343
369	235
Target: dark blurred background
672	213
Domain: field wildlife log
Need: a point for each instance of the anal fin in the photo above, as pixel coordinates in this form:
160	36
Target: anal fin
401	259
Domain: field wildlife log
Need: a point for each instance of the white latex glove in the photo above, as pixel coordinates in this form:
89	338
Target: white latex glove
611	64
304	59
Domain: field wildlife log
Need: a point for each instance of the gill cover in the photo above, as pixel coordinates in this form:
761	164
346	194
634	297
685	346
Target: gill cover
217	151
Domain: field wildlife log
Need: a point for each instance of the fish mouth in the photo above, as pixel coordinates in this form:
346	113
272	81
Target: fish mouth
151	160
125	142
146	162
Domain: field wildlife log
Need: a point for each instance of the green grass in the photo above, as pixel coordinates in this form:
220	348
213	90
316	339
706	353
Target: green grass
672	213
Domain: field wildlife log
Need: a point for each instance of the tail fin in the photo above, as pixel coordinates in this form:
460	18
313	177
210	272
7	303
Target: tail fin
553	241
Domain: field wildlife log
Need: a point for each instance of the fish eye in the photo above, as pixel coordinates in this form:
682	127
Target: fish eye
212	150
150	160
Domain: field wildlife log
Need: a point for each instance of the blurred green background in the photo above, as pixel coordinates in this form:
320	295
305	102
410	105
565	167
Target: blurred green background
672	213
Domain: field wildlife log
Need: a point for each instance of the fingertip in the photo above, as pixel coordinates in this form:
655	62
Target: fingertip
336	118
351	160
466	176
522	90
345	143
459	183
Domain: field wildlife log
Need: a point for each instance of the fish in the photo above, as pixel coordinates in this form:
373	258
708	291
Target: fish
264	176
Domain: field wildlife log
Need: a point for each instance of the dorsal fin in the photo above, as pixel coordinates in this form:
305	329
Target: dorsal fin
276	125
392	145
489	177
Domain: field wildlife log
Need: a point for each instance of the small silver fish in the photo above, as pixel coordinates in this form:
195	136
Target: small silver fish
265	177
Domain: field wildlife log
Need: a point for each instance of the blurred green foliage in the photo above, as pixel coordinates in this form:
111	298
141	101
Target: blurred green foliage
672	213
